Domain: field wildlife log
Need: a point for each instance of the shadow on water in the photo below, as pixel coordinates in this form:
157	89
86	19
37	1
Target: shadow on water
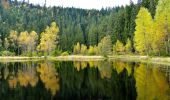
79	80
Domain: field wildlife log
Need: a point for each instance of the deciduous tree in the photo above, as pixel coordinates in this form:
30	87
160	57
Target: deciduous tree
143	35
49	38
105	46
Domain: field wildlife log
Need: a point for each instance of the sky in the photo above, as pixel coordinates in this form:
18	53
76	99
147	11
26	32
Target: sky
85	4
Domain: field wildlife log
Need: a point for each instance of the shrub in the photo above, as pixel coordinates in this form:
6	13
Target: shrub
57	52
65	53
7	53
91	51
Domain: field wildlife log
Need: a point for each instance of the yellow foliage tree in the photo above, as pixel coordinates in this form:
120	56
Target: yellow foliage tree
143	35
104	46
33	37
28	41
91	50
119	47
162	27
49	39
13	36
83	49
77	48
23	40
128	46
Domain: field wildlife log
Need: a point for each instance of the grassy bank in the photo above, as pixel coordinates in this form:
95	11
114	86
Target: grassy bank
132	58
77	58
19	59
58	58
138	58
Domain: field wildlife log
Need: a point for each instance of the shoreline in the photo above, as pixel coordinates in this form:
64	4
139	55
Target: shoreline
143	59
129	58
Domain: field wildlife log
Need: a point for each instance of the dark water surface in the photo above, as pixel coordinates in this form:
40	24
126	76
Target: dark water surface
102	80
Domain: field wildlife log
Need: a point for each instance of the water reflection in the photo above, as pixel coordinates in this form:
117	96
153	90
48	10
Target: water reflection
49	77
151	83
84	80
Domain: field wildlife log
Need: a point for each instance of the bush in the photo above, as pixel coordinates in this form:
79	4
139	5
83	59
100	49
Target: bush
7	53
30	54
91	51
65	53
57	52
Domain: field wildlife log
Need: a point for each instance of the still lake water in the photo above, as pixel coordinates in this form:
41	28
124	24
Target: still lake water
94	80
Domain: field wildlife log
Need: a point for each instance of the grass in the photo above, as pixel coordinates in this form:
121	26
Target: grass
19	59
145	59
77	58
58	58
131	58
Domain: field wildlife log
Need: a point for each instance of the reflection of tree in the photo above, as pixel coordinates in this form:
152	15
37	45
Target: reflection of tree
12	81
101	82
49	77
27	76
151	84
93	63
105	69
6	72
80	65
129	68
119	66
83	64
0	75
77	65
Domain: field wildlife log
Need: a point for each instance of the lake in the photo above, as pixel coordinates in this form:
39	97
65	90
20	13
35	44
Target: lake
86	80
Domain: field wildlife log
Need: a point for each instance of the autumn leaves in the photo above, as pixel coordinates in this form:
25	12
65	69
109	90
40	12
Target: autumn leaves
29	42
152	36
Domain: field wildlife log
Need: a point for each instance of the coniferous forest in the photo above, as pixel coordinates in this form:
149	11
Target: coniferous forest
34	30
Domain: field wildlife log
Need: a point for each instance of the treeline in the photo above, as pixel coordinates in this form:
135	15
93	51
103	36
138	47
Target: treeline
104	48
26	44
151	36
88	27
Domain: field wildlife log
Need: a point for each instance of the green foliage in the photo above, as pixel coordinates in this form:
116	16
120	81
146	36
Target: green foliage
65	53
105	46
56	52
79	25
7	53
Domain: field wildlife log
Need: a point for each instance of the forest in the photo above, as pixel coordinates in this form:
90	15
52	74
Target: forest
34	30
